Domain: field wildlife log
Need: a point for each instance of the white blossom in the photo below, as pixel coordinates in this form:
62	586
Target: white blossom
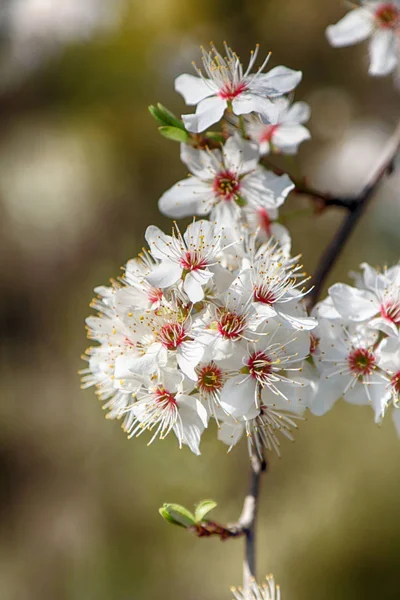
192	257
379	21
375	301
264	370
222	183
224	84
283	131
276	286
267	591
165	407
349	367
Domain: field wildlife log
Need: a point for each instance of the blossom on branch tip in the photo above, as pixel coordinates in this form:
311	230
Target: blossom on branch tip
224	84
379	21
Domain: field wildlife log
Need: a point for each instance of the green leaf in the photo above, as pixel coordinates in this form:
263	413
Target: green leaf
177	515
175	134
169	117
203	509
155	112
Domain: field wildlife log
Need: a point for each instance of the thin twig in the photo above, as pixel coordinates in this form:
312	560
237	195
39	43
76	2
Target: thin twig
247	520
332	252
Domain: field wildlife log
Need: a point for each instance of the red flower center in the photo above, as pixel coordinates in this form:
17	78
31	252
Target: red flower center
164	397
391	312
262	294
395	381
226	185
210	378
172	335
155	295
268	132
259	366
361	361
193	260
231	90
231	325
388	16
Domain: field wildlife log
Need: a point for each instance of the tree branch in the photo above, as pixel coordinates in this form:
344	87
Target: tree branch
247	520
360	203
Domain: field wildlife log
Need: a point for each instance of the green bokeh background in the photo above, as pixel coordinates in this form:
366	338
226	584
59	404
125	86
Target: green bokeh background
81	168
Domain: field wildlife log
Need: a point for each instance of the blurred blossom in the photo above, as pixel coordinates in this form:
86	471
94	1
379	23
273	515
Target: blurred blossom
36	28
51	184
344	166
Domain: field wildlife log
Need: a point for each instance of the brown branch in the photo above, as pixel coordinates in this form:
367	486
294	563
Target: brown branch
360	203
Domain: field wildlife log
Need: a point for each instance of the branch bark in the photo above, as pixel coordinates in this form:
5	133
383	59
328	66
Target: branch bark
356	210
248	519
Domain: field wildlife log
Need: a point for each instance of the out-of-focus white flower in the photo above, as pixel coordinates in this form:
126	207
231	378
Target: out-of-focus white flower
379	21
283	131
222	183
225	84
267	591
36	28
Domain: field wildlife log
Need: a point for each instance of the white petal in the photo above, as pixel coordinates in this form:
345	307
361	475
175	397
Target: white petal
238	397
240	156
288	136
355	27
263	188
209	111
158	242
299	112
294	320
193	288
389	355
188	356
165	274
380	394
194	89
201	163
188	197
194	421
247	103
357	394
383	52
352	303
278	81
329	391
231	432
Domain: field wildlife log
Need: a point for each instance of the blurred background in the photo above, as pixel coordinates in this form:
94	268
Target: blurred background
81	169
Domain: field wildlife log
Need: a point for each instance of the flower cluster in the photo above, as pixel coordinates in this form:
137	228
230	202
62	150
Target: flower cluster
201	327
379	21
357	344
210	324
